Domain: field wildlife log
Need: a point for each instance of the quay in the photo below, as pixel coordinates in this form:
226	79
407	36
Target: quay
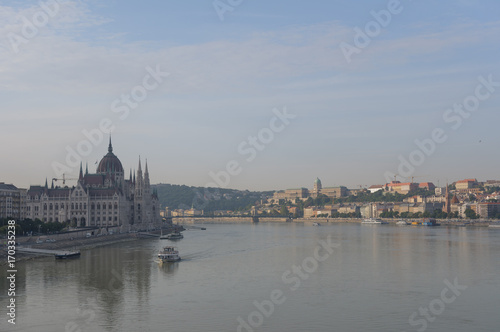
48	252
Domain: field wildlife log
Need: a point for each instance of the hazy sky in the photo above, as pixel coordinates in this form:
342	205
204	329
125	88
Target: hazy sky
279	92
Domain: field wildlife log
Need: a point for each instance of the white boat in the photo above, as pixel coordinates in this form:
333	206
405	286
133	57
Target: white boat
494	225
169	254
172	236
374	221
316	224
402	222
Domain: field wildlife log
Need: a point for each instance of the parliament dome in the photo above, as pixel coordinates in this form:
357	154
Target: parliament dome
110	162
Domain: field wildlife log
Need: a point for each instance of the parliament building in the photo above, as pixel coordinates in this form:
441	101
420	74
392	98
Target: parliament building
102	199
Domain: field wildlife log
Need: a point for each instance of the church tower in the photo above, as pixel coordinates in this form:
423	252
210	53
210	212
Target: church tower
317	187
447	207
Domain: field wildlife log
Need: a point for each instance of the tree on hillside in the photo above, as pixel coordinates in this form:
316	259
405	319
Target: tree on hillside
469	213
284	211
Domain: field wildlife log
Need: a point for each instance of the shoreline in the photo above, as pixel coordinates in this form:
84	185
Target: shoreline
77	244
246	220
67	242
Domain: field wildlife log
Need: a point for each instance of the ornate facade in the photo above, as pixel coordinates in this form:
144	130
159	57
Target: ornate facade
101	199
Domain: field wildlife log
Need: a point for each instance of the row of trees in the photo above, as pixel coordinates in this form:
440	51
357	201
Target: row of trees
26	226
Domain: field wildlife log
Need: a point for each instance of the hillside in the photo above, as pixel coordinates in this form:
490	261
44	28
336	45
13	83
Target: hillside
206	199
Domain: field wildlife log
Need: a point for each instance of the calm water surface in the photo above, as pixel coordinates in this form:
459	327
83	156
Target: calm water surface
377	278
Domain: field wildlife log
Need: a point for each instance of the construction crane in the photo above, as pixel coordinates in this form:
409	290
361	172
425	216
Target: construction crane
419	176
64	178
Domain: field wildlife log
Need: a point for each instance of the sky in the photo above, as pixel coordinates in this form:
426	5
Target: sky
257	95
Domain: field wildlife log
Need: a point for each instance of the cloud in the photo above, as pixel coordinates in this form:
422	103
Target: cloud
65	78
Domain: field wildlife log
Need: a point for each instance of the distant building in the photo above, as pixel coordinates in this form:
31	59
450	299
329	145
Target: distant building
101	199
402	188
488	209
334	192
427	185
439	191
317	186
291	194
465	185
375	188
193	212
492	183
12	201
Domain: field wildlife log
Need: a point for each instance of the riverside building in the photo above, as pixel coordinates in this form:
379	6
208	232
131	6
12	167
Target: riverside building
101	199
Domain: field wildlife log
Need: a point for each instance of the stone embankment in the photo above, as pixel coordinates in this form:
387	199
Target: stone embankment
78	240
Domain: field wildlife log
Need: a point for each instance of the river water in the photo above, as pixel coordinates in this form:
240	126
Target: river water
270	277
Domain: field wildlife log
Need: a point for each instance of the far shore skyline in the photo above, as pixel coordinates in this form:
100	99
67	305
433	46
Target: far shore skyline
71	183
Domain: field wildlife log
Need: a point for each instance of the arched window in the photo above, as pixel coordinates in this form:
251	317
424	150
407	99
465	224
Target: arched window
50	206
45	207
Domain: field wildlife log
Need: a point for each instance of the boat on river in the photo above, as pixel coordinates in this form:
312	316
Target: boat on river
374	221
429	222
172	236
67	254
169	254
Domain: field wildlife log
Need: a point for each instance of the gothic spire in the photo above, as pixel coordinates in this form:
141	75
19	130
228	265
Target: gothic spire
80	177
46	184
110	147
86	168
146	178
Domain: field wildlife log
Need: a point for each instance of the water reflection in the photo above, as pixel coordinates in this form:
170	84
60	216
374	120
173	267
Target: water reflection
168	268
375	273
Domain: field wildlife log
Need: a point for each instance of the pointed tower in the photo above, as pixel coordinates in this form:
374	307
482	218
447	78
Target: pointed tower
80	177
147	185
139	185
86	168
447	207
110	146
